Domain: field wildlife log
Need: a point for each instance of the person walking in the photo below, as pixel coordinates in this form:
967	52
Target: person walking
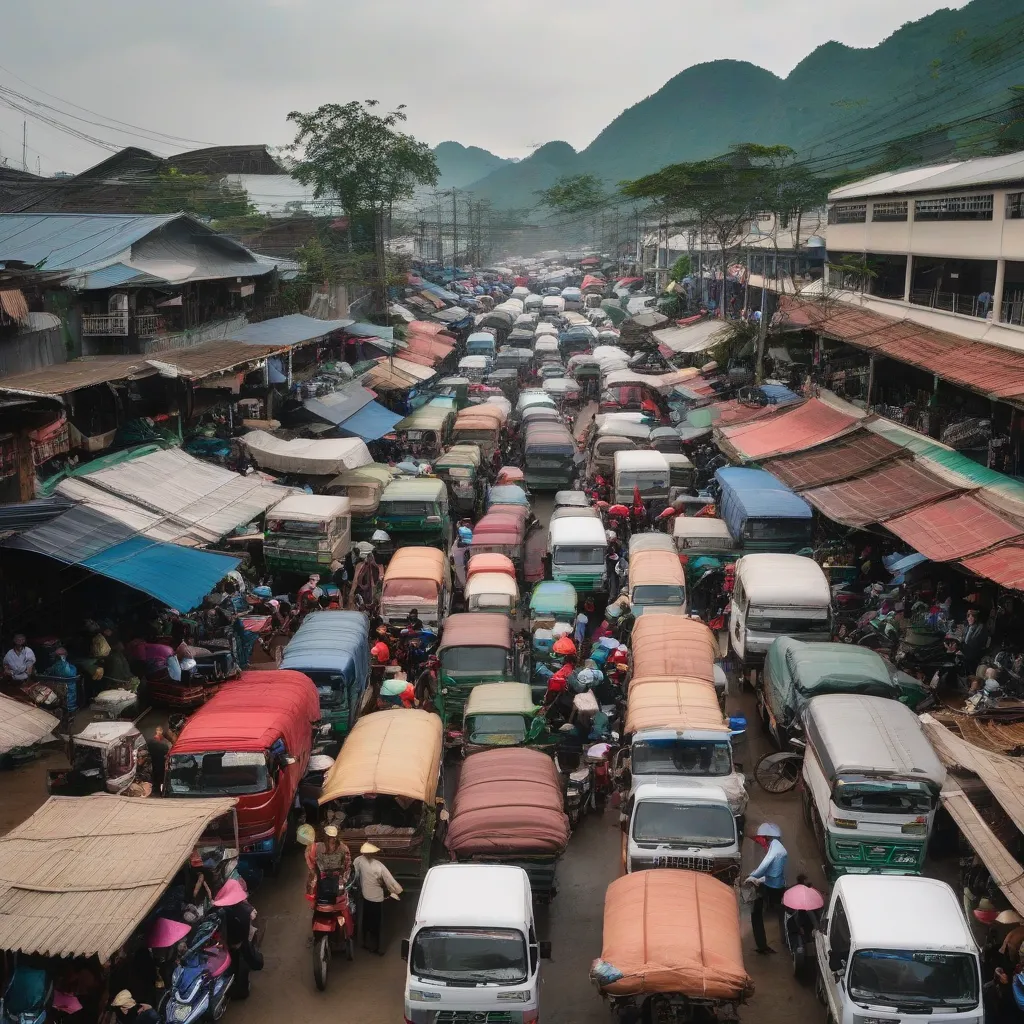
770	878
376	884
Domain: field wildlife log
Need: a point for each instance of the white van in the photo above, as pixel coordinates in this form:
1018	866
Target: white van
552	305
897	948
473	953
646	471
578	547
777	595
679	826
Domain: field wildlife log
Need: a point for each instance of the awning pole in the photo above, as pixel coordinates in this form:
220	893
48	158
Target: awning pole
871	381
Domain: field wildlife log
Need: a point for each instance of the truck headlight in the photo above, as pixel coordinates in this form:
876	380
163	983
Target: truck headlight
416	996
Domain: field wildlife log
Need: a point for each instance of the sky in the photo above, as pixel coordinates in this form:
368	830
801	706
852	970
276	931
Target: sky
504	76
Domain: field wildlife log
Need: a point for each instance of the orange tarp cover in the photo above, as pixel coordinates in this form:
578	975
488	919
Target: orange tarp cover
653	568
674	931
416	564
792	430
393	753
660	703
673	645
490	562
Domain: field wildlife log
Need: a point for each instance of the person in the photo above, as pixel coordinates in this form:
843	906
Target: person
143	784
339	575
365	580
20	660
611	562
997	997
376	884
413	622
975	640
326	858
126	1009
770	878
426	681
309	593
459	555
239	921
159	748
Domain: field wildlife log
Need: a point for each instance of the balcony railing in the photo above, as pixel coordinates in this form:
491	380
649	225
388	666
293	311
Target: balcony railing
951	302
105	326
148	325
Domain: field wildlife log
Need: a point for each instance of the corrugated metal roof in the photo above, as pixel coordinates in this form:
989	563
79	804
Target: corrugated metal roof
22	725
27	514
169	495
987	369
286	331
1003	565
81	874
339	405
78	534
73	241
954	528
849	457
63	378
371	422
802	427
210	358
986	170
697	338
113	276
878	495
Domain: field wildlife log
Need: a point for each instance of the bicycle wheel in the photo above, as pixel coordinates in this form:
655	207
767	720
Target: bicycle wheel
778	771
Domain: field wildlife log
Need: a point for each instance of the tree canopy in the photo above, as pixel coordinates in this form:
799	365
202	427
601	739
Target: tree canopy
573	194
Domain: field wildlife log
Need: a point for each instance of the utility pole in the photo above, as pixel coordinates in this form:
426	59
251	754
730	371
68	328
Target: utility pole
24	145
455	230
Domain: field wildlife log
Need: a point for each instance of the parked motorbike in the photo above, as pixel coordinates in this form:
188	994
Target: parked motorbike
333	925
579	779
802	906
203	978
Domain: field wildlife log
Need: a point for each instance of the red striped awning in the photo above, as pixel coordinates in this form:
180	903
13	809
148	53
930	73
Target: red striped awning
791	430
851	456
878	495
1003	565
954	528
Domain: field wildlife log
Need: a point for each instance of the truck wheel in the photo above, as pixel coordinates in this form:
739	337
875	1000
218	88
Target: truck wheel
321	958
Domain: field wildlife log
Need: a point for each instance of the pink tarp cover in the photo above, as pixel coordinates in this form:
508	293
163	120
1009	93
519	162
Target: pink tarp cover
954	528
792	430
508	801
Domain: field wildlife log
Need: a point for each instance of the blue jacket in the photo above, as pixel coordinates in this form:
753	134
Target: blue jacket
772	869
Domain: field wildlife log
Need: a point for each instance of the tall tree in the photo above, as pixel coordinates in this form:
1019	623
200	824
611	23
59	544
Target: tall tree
360	159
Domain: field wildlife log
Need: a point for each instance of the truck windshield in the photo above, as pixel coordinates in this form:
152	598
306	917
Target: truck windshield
497	730
649	483
883	797
692	824
903	977
410	590
407	508
223	773
589	555
786	530
473	660
663	596
495	955
787	625
681	757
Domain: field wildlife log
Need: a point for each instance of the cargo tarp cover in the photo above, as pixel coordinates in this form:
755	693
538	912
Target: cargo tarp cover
508	801
673	703
806	426
22	725
391	753
673	645
674	931
301	455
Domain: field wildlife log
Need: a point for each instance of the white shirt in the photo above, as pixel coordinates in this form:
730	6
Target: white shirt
375	881
20	664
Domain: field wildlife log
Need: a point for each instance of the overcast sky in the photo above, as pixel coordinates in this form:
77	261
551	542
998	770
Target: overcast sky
504	76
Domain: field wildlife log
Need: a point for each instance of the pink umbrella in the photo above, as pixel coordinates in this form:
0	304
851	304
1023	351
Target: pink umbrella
66	1002
164	932
803	897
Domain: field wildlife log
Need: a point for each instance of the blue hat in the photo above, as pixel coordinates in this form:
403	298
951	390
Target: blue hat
465	534
262	592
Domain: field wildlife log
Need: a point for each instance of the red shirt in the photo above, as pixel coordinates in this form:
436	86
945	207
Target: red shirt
559	681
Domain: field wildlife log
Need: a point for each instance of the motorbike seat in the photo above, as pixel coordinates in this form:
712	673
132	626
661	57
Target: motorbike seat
580	775
217	960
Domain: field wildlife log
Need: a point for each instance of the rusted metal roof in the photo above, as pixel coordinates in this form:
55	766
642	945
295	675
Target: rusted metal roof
851	456
791	430
81	874
1003	565
981	367
954	528
878	495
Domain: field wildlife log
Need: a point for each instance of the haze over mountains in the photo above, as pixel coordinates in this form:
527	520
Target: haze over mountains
836	101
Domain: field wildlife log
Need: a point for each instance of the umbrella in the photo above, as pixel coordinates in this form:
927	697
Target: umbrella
618	510
769	829
803	897
164	932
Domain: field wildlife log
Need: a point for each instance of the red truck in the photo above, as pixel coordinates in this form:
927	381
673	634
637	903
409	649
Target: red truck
252	741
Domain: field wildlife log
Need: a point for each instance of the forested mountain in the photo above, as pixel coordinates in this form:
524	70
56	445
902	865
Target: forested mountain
838	105
459	165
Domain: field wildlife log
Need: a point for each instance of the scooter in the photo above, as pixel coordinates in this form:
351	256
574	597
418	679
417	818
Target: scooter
333	924
202	981
801	905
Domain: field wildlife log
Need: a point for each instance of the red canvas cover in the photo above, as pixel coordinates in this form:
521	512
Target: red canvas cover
509	801
793	430
954	528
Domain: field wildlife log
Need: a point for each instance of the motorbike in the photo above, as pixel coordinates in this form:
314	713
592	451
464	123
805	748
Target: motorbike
201	982
579	778
800	917
599	758
28	996
333	925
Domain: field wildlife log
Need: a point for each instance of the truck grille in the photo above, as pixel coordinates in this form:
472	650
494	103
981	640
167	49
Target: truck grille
473	1017
706	864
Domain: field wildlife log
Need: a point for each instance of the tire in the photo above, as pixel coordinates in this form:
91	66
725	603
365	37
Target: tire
350	948
241	987
819	990
321	959
805	804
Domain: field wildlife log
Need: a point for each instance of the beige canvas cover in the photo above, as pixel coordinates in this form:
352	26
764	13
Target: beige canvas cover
673	645
392	753
662	703
674	931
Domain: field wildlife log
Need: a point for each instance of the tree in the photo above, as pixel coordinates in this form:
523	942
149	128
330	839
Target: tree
359	158
680	269
198	194
575	194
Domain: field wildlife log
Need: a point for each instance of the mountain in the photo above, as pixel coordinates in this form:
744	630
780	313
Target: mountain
834	105
459	165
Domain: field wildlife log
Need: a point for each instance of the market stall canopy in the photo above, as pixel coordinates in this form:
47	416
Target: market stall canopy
178	576
23	725
288	331
353	411
673	645
328	457
359	330
644	943
697	338
81	874
954	528
851	456
1003	565
169	495
393	753
793	430
878	495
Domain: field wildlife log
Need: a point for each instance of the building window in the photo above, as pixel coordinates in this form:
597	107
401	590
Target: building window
1015	206
894	210
848	213
954	208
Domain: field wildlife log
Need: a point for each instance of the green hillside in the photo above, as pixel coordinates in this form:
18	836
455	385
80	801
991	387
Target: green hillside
837	101
459	165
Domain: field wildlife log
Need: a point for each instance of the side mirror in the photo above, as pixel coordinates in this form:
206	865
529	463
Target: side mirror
289	760
545	951
403	949
836	960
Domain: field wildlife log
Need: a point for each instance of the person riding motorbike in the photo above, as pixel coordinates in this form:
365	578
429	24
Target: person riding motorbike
328	858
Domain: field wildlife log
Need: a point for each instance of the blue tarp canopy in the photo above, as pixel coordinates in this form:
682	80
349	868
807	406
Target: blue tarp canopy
287	331
371	422
178	576
340	405
371	331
